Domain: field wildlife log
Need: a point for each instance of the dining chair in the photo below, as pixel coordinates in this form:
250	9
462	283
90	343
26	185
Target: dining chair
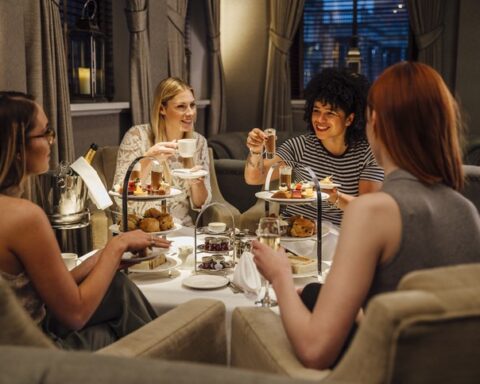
428	331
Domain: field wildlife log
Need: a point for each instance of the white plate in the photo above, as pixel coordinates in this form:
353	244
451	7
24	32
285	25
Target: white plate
130	257
325	232
329	185
115	229
173	192
188	174
170	264
267	195
205	281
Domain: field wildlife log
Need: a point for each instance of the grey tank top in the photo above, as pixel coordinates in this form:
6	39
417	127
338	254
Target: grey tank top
440	227
26	295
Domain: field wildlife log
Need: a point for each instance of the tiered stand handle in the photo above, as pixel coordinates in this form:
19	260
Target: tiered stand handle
319	207
125	189
196	226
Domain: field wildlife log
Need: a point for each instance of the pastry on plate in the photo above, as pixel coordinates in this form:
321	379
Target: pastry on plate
282	195
149	224
302	265
302	227
153	263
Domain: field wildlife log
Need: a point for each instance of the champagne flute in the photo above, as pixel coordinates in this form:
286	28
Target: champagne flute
268	233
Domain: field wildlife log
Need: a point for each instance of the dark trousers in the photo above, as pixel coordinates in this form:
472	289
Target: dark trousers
123	310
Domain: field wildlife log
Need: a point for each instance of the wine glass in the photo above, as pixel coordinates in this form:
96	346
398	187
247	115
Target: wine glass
268	233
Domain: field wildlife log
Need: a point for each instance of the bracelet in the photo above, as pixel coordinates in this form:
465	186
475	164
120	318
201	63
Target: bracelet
255	153
335	204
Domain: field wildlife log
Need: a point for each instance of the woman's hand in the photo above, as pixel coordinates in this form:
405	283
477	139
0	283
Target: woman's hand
138	240
198	180
162	150
256	140
271	264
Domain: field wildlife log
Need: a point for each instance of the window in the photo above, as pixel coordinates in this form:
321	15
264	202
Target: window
70	11
325	36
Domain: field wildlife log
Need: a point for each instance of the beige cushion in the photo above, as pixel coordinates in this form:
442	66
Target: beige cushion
16	325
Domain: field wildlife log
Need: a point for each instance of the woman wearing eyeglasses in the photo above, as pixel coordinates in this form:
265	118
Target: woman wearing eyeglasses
88	307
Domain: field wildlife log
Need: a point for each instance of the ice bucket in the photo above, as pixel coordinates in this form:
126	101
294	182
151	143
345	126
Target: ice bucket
64	197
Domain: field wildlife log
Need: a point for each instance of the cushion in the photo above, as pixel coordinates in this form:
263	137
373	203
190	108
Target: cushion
17	327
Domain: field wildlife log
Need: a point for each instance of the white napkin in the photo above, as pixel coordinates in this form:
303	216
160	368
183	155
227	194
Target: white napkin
96	189
246	276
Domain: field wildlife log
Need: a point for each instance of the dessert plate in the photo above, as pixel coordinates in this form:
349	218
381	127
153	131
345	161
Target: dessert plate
267	195
205	281
129	257
189	174
170	264
329	185
325	232
173	192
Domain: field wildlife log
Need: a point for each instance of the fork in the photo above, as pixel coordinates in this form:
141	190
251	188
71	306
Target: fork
235	288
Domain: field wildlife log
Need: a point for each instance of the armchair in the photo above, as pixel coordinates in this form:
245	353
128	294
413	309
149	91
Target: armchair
428	331
193	331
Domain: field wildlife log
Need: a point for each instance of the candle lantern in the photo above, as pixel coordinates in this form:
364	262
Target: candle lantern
87	57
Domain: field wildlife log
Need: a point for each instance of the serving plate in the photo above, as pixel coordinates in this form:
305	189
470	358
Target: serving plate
129	257
189	174
170	264
173	192
205	281
267	195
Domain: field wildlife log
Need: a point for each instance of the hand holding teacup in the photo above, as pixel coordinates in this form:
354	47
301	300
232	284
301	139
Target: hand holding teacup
162	150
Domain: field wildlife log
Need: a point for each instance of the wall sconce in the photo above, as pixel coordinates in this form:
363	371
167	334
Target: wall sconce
87	57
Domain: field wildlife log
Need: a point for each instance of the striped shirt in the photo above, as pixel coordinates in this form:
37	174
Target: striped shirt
347	169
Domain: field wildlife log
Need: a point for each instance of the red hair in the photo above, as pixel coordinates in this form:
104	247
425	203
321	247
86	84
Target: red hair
418	121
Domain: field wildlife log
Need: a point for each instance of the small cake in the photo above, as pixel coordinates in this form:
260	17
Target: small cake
302	227
302	265
153	263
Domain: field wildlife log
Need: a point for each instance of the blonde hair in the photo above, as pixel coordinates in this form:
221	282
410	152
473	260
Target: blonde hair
166	90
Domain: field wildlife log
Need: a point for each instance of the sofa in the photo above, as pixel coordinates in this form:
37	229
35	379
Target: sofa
428	331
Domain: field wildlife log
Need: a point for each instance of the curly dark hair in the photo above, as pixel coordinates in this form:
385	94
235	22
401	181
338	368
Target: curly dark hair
341	88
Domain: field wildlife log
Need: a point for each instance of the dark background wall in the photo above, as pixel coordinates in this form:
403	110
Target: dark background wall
244	33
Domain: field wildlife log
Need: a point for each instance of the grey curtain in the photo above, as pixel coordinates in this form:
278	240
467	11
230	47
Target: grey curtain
218	111
177	12
285	16
140	79
426	20
56	97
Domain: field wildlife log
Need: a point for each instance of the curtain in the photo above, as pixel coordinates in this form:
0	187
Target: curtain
56	97
218	111
140	79
177	12
285	17
426	20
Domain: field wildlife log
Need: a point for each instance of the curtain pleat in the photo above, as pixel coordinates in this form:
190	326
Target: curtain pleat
426	20
140	77
285	16
218	111
177	12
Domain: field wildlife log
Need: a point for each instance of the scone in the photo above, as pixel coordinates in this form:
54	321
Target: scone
282	195
152	212
302	227
149	224
132	222
165	221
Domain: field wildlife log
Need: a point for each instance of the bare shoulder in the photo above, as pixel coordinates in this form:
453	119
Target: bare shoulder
20	210
372	205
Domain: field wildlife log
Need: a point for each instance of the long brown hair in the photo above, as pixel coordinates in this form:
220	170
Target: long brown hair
17	119
418	121
166	90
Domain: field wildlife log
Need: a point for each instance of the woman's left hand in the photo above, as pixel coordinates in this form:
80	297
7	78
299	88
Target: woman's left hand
271	264
197	180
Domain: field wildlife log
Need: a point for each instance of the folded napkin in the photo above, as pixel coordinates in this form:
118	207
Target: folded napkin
246	276
96	190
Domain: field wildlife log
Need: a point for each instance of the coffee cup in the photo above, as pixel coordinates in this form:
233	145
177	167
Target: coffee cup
186	147
70	260
217	227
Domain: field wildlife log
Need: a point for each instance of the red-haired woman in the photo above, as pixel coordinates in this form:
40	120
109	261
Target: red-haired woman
418	220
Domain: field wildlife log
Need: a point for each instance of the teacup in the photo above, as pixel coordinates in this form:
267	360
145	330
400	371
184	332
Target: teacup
70	260
186	147
217	227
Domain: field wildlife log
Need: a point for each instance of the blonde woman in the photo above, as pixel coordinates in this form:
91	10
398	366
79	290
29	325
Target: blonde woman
173	117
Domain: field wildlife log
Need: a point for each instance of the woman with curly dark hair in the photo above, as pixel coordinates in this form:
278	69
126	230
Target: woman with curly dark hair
335	101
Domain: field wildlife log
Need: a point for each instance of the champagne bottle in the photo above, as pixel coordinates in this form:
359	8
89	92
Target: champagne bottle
90	154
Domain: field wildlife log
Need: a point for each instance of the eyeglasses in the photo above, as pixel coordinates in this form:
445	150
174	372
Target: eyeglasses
49	135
